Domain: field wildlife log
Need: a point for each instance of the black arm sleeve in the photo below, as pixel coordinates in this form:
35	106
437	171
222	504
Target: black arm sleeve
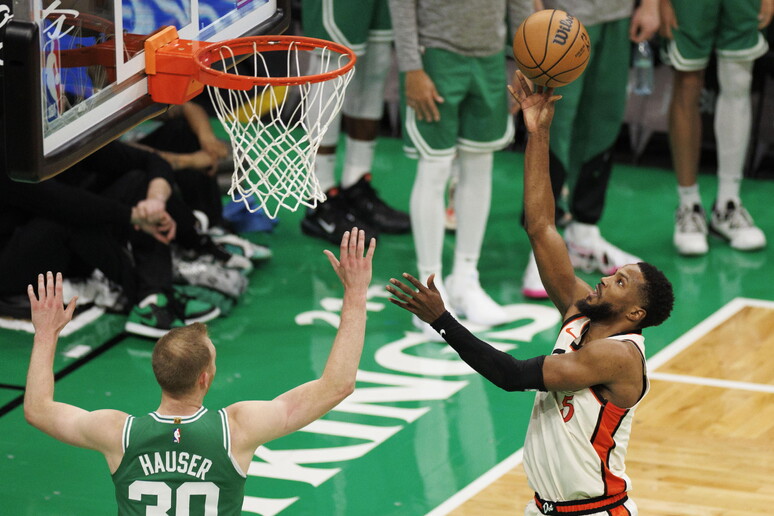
500	368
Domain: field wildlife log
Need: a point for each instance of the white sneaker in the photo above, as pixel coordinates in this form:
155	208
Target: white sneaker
734	224
209	274
469	300
590	252
690	237
531	286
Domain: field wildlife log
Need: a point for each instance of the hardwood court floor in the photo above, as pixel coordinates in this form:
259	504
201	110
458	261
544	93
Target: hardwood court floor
701	441
421	427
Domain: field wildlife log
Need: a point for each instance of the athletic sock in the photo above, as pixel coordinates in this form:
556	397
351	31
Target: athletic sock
324	165
472	198
360	156
427	213
689	195
733	116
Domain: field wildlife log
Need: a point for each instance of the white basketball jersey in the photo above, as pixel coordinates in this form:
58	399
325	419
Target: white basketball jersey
576	441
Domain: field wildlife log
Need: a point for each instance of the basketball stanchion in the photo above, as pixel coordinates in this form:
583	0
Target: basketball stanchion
265	114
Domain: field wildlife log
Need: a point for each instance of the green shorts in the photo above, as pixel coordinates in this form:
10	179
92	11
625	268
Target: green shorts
347	22
474	114
728	26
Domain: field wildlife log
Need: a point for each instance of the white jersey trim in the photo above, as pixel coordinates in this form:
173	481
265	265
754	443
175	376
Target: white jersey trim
183	419
227	441
125	433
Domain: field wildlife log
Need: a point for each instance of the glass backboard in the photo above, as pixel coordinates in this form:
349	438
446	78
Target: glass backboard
72	73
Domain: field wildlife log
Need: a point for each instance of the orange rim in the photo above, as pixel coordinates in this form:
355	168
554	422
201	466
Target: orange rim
206	56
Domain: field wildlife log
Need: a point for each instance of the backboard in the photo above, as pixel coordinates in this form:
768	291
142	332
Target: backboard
72	73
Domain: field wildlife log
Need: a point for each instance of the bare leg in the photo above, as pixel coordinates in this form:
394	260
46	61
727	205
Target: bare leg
685	125
360	128
690	237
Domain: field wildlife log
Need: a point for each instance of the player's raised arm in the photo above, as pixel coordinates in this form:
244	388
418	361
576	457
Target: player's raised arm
254	422
99	430
556	271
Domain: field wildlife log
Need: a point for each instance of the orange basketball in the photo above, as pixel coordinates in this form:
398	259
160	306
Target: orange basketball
551	48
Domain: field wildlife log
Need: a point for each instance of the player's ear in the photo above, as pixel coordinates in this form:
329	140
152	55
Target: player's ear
636	314
204	379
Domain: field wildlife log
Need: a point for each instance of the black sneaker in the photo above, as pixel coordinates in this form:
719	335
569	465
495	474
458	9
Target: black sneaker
158	313
332	218
153	317
366	205
209	250
191	309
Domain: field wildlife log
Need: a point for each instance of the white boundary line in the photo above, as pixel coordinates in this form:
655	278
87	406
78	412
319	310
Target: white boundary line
656	361
478	485
712	382
704	327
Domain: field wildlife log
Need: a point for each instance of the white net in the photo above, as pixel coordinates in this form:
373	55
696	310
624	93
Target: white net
276	130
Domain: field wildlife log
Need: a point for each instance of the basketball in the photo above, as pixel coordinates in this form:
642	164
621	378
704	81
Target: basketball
551	48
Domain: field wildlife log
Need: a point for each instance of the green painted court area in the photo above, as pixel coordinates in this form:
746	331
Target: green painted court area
420	426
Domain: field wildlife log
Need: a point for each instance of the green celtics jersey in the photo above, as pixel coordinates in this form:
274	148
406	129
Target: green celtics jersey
178	465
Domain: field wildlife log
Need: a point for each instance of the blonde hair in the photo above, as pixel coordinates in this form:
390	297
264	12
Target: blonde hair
179	357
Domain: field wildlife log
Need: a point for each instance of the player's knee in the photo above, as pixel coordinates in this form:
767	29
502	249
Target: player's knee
734	77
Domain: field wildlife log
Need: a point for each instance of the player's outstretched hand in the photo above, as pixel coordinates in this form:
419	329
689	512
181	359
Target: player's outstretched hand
425	302
49	316
537	108
353	266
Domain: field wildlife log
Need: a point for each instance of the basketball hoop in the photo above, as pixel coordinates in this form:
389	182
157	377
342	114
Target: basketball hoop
267	118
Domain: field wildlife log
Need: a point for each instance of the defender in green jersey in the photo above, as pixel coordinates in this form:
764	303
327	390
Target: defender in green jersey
184	458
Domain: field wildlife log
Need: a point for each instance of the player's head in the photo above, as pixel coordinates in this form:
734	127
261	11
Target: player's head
657	293
184	360
638	293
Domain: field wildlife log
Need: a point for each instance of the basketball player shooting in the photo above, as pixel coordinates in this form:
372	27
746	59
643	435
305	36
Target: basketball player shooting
183	457
591	384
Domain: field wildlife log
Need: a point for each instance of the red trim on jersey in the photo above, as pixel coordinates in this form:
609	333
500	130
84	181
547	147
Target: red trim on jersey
621	510
610	418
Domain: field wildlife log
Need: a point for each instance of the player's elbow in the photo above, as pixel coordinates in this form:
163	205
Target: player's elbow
344	389
32	414
537	227
341	389
335	388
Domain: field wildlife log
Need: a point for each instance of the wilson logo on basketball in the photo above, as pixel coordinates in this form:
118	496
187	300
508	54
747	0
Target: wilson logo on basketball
564	29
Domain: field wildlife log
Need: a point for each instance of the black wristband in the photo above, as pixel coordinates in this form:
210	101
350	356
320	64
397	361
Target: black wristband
500	368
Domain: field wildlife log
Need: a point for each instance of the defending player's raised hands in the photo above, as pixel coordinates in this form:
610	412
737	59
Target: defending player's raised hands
49	316
353	266
537	108
425	302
